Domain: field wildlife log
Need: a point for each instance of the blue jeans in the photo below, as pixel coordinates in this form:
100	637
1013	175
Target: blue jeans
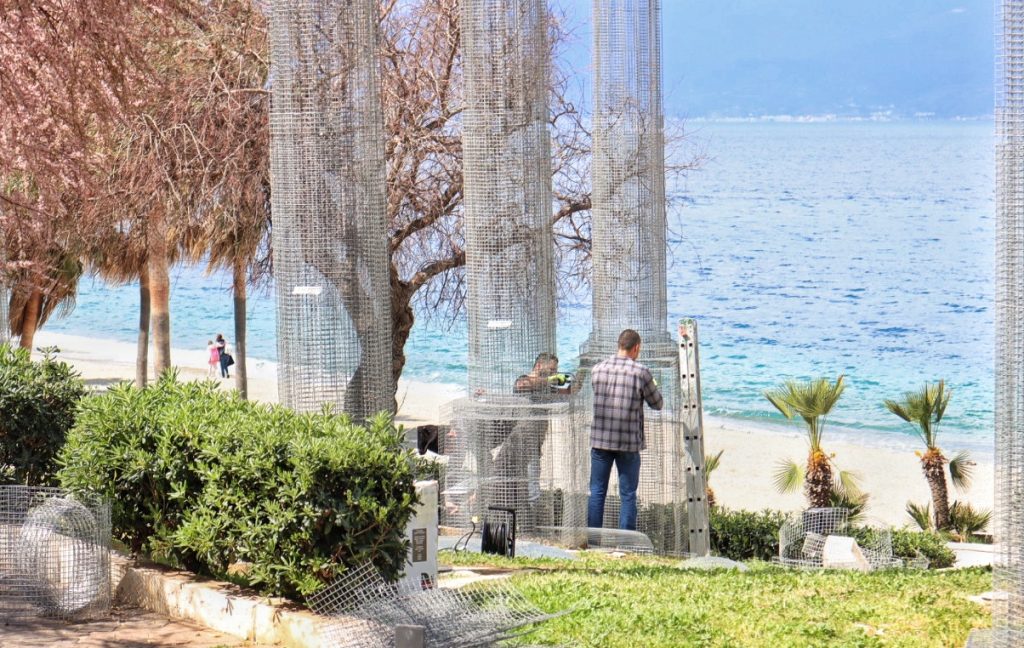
627	464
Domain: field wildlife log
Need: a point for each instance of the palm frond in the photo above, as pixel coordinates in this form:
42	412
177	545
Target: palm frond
711	464
788	476
961	470
848	483
812	400
899	409
855	504
923	409
921	514
777	397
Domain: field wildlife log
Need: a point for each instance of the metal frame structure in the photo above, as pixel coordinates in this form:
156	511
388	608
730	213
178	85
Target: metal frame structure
630	283
512	443
330	222
1008	622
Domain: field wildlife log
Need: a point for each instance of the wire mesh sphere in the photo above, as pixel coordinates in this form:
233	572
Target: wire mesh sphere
824	538
63	551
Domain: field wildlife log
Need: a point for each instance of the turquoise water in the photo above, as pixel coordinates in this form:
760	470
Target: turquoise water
804	249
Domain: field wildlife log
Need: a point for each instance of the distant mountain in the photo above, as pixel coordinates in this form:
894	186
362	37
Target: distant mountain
739	58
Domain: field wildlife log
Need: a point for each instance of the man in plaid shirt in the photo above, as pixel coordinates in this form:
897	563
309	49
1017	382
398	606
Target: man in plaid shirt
621	387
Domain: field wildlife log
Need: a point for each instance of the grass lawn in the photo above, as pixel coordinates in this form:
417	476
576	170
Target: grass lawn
648	602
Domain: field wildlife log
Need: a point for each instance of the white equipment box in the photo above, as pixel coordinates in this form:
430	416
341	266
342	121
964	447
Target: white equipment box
421	532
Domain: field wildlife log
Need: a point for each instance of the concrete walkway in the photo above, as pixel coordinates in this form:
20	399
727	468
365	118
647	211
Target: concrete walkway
124	628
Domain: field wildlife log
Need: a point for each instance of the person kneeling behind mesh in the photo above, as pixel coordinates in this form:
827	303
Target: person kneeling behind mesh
621	387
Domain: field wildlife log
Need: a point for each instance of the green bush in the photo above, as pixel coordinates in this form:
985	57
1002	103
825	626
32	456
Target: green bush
203	479
908	545
37	408
745	535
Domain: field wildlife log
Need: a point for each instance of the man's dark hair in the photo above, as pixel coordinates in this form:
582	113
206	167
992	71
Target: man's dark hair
628	339
545	357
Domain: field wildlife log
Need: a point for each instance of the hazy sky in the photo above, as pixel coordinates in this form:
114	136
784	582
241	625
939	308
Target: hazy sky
756	57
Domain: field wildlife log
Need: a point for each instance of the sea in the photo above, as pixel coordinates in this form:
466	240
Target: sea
803	249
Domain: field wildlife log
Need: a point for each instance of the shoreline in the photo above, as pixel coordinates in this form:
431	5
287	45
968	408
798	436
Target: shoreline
889	469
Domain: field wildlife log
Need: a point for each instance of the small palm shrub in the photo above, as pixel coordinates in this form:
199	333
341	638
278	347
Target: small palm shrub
38	401
202	479
966	523
824	485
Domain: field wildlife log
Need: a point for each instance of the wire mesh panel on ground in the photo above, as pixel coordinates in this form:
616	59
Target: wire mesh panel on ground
520	453
54	554
365	610
824	538
1008	621
330	239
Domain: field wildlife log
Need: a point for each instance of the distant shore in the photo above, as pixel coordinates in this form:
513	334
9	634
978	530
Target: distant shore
892	475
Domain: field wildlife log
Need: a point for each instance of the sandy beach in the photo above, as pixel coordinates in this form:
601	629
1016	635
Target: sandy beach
891	474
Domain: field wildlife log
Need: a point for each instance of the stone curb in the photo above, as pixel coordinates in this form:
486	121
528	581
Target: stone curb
212	604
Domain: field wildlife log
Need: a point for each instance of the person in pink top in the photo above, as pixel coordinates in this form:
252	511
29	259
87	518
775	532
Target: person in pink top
214	361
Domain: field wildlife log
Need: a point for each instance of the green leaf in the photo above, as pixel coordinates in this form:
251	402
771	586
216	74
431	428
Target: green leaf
788	476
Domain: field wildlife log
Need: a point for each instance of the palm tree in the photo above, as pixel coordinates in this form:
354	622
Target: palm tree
924	410
119	256
811	400
36	296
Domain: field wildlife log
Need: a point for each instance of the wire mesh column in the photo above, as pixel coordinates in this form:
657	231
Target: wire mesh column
1008	624
513	446
629	254
328	193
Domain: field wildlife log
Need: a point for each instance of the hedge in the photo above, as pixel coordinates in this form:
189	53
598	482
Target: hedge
746	535
38	401
204	480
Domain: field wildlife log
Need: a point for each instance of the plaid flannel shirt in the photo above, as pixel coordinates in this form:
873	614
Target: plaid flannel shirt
621	386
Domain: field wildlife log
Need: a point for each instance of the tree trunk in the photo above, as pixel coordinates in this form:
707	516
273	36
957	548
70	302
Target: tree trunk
818	482
30	321
160	293
402	320
142	350
239	291
932	463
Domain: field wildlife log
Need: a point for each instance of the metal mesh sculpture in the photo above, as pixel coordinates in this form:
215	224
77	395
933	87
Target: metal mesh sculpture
365	610
512	443
1008	623
5	326
330	237
824	538
629	259
5	300
54	554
